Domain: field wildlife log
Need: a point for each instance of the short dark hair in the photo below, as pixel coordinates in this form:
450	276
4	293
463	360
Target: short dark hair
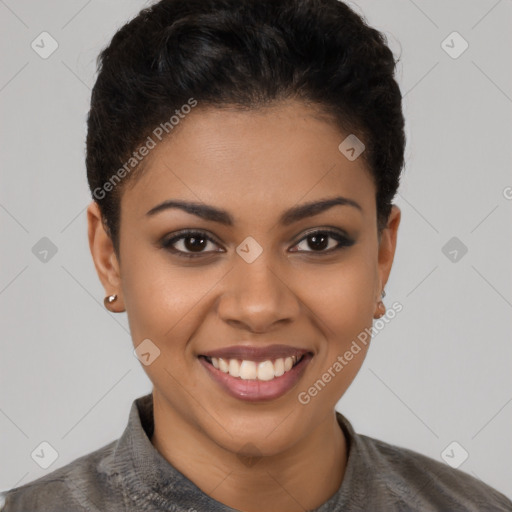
246	54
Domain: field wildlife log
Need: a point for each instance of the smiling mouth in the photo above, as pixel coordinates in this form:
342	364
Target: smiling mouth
256	373
244	369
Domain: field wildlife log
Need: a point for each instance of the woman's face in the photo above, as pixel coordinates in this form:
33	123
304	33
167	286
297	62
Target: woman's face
255	273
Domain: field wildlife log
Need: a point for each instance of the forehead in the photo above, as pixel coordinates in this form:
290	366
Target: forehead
252	162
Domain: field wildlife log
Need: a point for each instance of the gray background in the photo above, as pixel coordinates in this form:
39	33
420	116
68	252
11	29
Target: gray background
438	373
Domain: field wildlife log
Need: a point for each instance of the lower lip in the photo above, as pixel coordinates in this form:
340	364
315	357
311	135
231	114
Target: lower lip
254	390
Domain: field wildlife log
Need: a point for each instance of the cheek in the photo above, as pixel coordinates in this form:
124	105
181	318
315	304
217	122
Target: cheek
166	303
343	297
342	301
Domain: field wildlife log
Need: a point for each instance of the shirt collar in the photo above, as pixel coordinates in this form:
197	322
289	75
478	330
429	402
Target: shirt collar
146	473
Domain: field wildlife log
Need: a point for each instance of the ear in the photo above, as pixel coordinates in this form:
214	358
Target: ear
104	256
387	248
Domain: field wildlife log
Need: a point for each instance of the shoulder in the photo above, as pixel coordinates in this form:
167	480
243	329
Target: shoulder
422	483
70	488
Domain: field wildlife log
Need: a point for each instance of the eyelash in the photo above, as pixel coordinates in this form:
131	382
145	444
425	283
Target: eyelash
342	240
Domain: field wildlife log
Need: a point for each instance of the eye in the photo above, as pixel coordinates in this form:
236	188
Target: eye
192	244
319	241
189	244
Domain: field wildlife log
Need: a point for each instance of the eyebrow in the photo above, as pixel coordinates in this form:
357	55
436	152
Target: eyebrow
288	217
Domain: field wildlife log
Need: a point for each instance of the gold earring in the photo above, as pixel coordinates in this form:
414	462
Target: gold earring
381	310
381	307
109	299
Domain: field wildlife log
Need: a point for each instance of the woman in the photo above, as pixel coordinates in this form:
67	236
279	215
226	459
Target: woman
243	157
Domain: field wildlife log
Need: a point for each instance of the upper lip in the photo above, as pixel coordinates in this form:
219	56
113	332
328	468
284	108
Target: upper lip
256	353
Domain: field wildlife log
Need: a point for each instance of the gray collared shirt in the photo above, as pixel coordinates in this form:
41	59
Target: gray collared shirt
129	474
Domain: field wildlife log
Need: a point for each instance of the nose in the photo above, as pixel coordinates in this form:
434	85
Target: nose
258	296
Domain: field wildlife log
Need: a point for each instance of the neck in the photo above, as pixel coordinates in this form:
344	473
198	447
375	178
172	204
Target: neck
296	480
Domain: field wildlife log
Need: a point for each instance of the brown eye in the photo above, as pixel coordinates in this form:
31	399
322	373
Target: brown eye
318	241
189	244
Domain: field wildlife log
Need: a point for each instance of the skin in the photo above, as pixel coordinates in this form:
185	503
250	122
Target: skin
254	164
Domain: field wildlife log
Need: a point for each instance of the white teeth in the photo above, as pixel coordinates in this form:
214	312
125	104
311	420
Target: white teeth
250	370
266	370
234	368
223	366
279	367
